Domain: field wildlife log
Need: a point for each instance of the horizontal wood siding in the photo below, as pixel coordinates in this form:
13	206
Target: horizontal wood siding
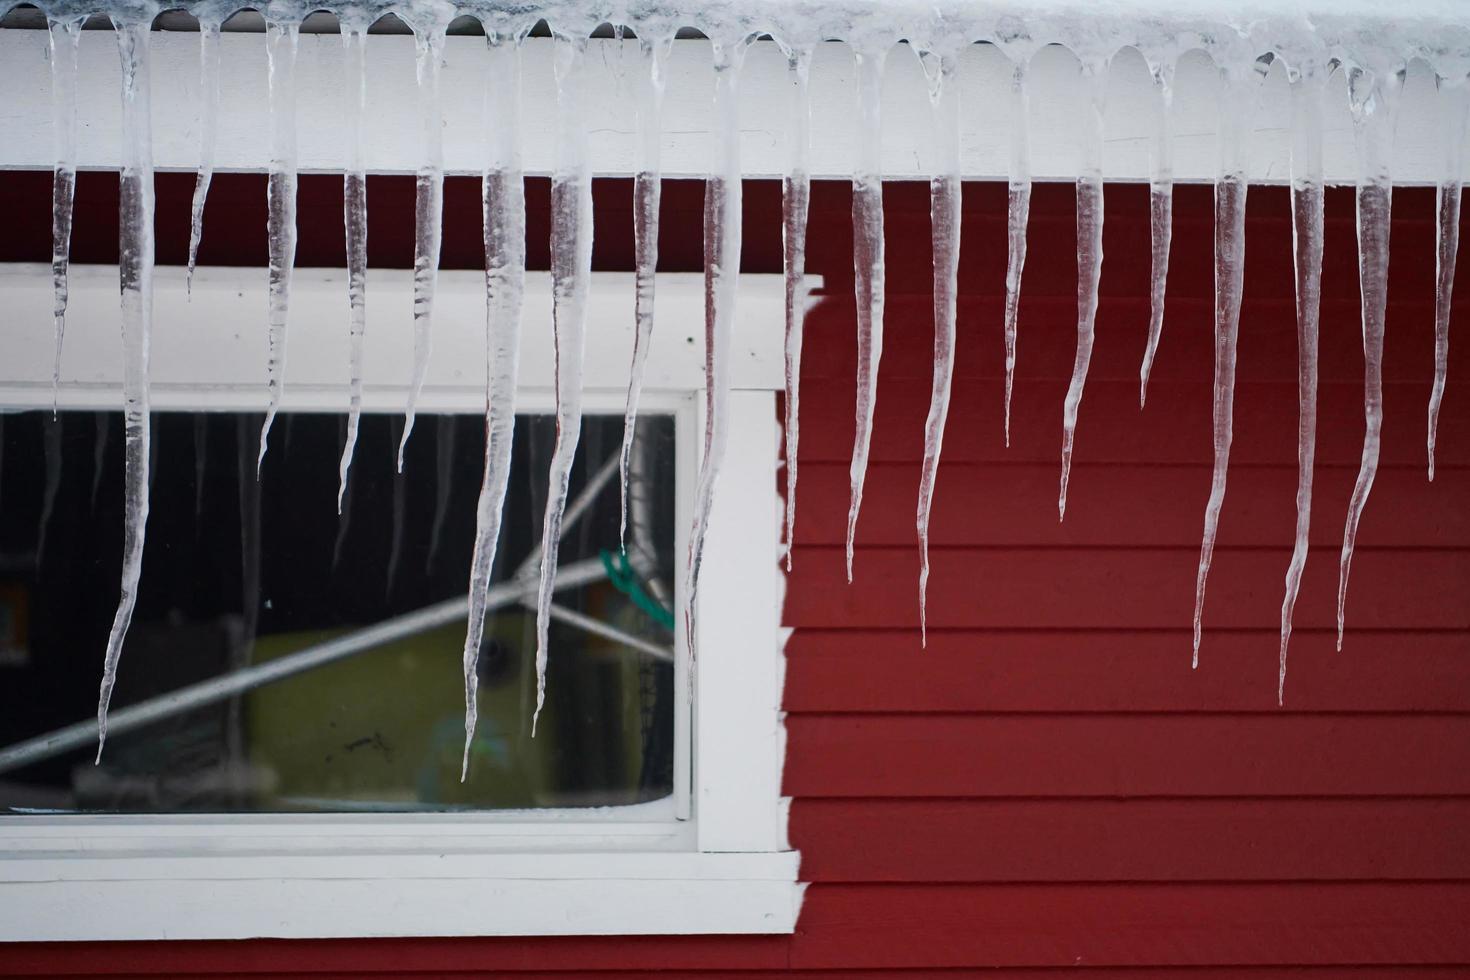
1048	785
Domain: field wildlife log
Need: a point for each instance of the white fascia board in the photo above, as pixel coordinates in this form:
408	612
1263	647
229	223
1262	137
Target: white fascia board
391	127
209	350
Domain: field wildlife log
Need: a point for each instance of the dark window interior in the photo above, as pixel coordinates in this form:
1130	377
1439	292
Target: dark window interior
239	573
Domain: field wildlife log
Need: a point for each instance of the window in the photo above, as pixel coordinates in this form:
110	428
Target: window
251	586
684	832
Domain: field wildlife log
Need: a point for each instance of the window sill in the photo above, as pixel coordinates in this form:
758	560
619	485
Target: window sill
443	893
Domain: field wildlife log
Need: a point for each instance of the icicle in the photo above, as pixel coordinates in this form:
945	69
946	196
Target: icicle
443	483
354	219
571	272
395	542
65	36
1018	213
867	260
135	272
344	516
796	192
1160	221
208	127
1454	104
201	456
1306	235
944	217
504	202
1373	128
428	215
1237	97
648	103
1089	266
52	450
722	246
99	455
280	49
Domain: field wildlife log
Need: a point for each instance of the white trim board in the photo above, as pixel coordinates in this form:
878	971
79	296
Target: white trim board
321	908
391	126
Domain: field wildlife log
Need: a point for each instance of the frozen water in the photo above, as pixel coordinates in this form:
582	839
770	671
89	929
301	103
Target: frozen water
944	218
723	235
648	100
1161	223
796	192
65	37
209	30
1238	93
135	274
1089	268
1372	105
1018	212
281	43
1306	235
571	275
354	219
344	516
505	273
867	261
428	215
1454	104
395	542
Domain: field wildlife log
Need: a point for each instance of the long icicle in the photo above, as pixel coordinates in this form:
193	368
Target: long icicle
281	41
1160	221
944	218
504	202
1237	97
1306	237
428	217
1089	265
135	274
1372	109
65	37
571	273
354	219
723	234
395	539
868	270
1454	102
344	517
209	30
796	194
1018	214
647	185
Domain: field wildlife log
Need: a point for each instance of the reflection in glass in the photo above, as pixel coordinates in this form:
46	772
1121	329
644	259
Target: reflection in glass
241	577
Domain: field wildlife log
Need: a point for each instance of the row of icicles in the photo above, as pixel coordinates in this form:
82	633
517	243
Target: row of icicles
1372	105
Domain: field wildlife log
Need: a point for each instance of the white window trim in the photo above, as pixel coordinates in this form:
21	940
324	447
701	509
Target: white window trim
632	870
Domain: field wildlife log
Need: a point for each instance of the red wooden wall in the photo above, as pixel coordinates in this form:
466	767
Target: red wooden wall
1048	785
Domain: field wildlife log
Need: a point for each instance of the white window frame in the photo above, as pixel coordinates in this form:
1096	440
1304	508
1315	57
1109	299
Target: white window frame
645	869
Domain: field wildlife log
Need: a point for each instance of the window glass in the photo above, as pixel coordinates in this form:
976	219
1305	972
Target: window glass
241	573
